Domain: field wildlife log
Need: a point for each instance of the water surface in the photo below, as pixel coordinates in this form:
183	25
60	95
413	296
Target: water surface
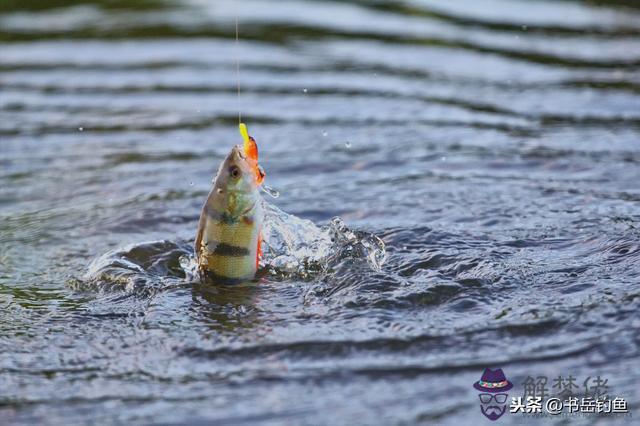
493	146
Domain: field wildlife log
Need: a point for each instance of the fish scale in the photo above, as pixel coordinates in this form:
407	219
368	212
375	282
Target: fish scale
240	242
229	232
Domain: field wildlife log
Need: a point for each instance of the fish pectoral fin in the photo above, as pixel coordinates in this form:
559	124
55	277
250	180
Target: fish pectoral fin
259	251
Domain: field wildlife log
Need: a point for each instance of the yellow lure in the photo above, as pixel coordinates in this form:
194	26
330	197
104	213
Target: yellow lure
245	135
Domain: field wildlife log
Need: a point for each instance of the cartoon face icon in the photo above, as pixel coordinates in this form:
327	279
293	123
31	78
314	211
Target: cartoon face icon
493	387
493	406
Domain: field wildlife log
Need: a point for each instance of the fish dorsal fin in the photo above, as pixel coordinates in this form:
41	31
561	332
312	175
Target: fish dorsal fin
251	151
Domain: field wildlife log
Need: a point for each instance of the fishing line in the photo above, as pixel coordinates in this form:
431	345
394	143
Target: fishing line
242	127
237	49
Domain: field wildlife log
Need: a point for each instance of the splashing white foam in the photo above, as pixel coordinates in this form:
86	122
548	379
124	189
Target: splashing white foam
298	246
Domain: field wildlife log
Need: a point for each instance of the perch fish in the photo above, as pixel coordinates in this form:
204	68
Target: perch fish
228	242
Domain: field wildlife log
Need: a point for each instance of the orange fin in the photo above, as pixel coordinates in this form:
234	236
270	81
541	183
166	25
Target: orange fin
251	151
250	145
259	251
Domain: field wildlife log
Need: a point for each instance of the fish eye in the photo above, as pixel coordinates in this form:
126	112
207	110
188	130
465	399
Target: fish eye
234	171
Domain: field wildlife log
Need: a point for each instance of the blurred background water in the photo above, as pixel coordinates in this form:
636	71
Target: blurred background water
493	145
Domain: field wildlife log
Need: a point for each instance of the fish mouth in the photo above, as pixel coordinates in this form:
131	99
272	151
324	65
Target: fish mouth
240	153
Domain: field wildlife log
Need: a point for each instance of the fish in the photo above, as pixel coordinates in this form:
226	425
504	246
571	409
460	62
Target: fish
229	237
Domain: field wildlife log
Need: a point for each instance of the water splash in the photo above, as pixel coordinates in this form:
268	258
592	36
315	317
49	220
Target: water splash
274	193
293	248
189	265
357	244
297	247
137	268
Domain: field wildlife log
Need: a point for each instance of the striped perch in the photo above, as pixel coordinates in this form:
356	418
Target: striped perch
228	241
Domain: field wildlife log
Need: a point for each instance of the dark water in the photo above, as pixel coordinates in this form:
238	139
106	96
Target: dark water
493	145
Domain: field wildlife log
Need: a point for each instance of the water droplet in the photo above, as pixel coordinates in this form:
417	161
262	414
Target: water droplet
304	90
190	183
269	190
443	158
325	133
347	144
81	129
